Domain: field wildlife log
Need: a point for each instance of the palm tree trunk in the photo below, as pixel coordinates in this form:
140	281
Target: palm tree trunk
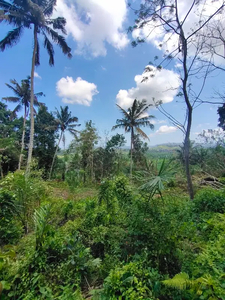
31	143
53	161
131	152
23	136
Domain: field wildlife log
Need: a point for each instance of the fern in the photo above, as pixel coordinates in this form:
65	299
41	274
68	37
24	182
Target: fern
180	281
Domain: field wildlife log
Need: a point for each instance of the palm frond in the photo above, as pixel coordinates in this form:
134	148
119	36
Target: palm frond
16	109
40	94
72	120
58	24
145	118
49	8
16	17
11	99
142	133
16	91
124	112
60	40
50	49
5	5
122	123
73	125
18	87
73	131
144	123
11	38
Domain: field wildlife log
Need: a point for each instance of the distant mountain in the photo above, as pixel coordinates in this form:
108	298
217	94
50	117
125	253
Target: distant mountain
167	145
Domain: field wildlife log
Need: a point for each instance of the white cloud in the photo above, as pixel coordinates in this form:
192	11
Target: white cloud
103	68
93	23
166	129
154	122
169	41
76	92
162	86
37	75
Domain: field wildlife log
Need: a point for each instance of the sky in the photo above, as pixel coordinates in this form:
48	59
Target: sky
106	70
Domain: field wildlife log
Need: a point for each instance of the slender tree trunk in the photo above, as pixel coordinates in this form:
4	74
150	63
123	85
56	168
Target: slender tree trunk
1	171
131	152
56	150
189	117
92	167
31	142
23	136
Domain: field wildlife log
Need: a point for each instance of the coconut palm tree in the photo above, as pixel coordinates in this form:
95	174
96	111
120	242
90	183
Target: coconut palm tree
22	93
64	122
135	117
35	15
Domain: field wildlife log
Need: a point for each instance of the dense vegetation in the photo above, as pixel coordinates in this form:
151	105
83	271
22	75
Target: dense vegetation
104	222
91	234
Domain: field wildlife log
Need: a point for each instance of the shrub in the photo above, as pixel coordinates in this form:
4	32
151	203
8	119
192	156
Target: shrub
10	230
209	200
131	282
28	194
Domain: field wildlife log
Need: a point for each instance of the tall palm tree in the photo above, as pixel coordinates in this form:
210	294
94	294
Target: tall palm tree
22	93
135	117
35	15
64	122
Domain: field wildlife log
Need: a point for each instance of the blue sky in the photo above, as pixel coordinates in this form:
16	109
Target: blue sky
106	63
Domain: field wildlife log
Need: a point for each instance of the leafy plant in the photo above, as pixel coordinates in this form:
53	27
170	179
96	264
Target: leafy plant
209	200
130	282
155	176
28	192
41	223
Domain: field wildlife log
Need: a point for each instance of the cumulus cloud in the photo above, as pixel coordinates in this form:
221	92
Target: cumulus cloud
77	91
162	86
154	122
93	23
166	129
36	75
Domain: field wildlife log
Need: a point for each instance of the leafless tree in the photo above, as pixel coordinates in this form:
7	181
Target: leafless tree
189	48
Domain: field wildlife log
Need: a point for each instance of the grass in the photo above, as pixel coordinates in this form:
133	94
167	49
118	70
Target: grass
62	190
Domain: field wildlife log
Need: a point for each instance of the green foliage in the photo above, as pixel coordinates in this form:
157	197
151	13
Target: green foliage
221	113
10	231
44	142
10	136
210	200
155	176
180	281
41	219
118	245
28	193
131	282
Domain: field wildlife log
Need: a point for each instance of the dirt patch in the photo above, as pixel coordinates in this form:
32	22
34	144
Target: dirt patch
78	194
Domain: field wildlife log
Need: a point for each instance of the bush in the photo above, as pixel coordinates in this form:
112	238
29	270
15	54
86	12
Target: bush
10	230
209	200
131	282
28	194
